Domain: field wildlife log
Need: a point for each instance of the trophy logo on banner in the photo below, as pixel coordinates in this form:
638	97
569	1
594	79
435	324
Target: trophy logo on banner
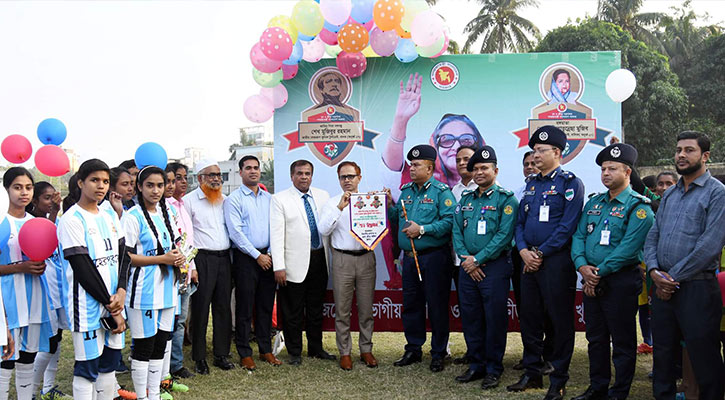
562	86
367	218
330	127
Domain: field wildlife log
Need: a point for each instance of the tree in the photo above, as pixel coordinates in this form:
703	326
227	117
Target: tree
658	108
624	13
501	28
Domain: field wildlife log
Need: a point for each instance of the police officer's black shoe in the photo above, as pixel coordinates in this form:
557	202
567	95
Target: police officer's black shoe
436	365
408	358
591	394
470	376
519	366
547	368
489	382
462	360
555	393
526	382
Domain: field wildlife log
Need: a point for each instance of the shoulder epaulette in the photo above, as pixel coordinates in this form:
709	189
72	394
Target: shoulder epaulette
505	191
593	194
530	177
442	186
467	192
407	185
644	199
568	175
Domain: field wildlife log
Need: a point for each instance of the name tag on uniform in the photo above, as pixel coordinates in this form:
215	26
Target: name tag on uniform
544	213
466	208
604	240
594	212
482	227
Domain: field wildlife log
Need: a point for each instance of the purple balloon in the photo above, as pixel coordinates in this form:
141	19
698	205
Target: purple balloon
383	43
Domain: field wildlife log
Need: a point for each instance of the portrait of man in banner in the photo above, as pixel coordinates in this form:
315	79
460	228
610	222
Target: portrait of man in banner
330	90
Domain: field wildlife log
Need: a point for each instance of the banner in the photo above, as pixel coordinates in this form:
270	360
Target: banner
498	100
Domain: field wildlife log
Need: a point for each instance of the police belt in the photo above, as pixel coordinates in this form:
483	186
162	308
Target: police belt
425	251
353	252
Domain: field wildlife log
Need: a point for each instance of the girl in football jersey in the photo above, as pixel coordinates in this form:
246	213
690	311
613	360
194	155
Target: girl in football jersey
24	290
95	286
153	280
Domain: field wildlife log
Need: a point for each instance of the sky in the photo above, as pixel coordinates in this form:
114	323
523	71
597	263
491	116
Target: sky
122	73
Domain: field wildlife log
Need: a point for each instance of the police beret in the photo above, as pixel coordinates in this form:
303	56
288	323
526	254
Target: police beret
548	134
422	152
483	155
620	152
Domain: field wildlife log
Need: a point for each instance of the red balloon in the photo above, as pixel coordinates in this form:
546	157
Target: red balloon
351	65
52	160
38	239
16	149
289	71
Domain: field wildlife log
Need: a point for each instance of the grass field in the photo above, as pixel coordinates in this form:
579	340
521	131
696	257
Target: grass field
317	379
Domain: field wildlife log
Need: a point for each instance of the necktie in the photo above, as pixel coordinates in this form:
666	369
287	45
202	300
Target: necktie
313	225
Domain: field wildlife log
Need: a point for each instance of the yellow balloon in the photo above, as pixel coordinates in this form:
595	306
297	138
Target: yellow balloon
284	22
412	9
307	17
368	52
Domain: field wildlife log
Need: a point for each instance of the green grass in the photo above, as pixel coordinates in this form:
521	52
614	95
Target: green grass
317	379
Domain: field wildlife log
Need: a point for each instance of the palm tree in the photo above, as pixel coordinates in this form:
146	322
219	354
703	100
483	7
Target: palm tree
501	27
624	13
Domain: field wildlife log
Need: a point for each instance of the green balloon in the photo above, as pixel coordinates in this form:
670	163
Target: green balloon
333	51
267	80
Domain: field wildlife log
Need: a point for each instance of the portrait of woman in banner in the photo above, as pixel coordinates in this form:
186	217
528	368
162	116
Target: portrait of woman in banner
563	86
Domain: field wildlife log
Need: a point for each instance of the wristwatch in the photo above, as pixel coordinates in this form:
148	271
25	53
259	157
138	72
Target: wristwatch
422	230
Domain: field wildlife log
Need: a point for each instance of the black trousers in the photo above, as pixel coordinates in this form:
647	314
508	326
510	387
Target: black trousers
215	289
612	318
516	284
693	314
301	306
254	295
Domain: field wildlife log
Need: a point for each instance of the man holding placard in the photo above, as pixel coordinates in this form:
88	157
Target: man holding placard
353	269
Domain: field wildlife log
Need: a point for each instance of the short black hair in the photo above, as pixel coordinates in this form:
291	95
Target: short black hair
300	163
670	173
561	71
128	164
90	166
115	174
702	140
527	154
650	181
13	173
466	147
247	158
175	166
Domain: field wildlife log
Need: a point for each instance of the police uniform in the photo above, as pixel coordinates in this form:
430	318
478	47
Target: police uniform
548	215
484	228
610	236
430	206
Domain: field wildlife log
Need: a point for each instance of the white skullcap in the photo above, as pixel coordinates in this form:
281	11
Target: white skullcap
203	163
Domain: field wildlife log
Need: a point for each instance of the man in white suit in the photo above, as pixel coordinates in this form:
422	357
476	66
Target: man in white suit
299	262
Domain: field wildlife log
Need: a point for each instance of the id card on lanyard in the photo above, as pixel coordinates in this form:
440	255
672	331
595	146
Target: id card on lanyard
482	224
604	239
544	211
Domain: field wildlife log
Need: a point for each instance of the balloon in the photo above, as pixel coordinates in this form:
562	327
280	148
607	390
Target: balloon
387	14
328	37
150	153
51	160
430	51
369	52
335	11
265	79
4	231
427	27
258	108
307	17
412	9
620	85
333	51
313	50
333	28
402	33
383	43
305	38
362	10
51	131
277	95
351	65
405	52
368	25
296	55
353	38
446	42
262	62
37	238
16	149
289	71
284	22
276	44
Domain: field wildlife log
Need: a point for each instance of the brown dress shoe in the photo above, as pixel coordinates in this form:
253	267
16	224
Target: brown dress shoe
248	364
346	363
270	358
369	360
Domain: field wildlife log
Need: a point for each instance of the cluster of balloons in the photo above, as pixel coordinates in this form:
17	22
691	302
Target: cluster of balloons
349	30
50	159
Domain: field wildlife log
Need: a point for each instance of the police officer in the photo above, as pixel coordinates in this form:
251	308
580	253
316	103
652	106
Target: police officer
482	235
430	206
607	250
547	218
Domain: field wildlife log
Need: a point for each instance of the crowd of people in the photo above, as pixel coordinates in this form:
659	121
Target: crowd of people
137	252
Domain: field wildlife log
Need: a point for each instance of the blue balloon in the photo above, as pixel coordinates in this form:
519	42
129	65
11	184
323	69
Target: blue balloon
302	36
333	28
52	131
150	153
405	52
296	55
362	10
4	232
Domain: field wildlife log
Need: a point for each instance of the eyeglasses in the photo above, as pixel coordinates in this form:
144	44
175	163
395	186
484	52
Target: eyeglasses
542	151
213	175
448	140
347	177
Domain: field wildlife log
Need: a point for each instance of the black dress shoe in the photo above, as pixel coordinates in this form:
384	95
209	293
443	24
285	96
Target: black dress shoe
526	382
223	363
295	360
591	394
547	368
519	365
436	365
490	382
408	358
555	393
465	360
470	376
202	368
323	355
182	373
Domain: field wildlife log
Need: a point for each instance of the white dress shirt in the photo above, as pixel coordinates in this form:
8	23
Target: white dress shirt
459	188
336	224
210	231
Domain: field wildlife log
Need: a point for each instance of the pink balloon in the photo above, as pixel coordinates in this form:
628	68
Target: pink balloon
351	65
52	160
277	95
328	37
383	43
258	108
368	25
276	44
37	239
16	149
289	71
335	12
262	62
313	50
427	27
445	45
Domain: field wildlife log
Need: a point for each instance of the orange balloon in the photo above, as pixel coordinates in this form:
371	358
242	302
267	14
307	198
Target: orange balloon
387	14
353	38
402	32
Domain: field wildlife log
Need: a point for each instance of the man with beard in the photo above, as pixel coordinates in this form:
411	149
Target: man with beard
681	253
205	206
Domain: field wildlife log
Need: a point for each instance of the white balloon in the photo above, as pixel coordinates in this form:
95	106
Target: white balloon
620	85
